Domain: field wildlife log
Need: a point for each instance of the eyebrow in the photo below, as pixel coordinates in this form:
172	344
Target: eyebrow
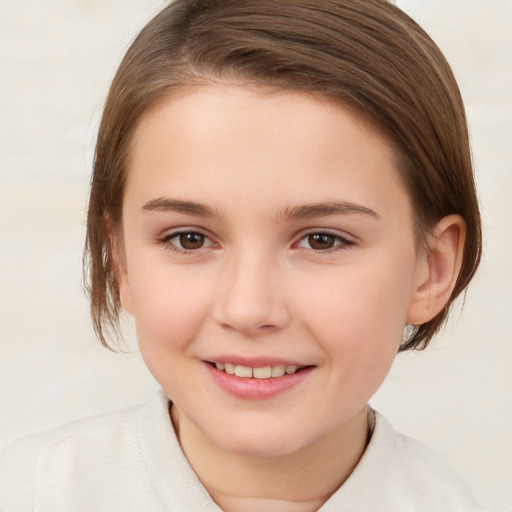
307	211
317	210
163	204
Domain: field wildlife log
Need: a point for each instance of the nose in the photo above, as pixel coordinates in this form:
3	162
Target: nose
251	296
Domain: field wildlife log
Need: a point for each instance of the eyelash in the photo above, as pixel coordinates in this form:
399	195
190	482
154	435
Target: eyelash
165	241
342	242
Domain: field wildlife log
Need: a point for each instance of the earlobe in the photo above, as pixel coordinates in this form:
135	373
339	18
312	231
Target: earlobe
438	269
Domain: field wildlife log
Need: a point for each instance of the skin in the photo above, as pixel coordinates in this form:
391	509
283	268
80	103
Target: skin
258	285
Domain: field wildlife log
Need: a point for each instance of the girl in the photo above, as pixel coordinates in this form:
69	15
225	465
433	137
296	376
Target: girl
283	199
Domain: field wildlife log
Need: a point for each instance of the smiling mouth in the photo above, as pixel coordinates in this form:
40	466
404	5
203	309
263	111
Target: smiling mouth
264	372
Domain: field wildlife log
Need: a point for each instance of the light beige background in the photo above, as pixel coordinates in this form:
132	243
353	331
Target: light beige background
57	58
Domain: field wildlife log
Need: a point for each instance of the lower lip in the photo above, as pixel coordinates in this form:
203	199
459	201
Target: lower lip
257	389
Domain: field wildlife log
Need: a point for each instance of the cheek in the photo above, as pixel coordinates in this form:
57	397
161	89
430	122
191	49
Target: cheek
358	317
168	317
358	299
169	309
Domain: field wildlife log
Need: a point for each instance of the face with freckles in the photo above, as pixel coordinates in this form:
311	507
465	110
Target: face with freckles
265	233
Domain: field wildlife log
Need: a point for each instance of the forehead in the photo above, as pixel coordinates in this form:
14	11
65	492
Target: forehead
226	142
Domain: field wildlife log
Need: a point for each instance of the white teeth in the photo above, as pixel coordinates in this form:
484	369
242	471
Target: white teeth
262	373
278	370
265	372
243	371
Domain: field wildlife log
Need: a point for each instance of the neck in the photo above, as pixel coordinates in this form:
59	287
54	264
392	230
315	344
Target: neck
300	482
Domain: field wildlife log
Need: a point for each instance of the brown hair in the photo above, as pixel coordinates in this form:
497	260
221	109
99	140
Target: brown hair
366	54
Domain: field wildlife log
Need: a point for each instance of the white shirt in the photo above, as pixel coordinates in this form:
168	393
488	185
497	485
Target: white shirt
130	461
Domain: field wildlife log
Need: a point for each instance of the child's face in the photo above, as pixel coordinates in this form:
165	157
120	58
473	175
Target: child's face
266	229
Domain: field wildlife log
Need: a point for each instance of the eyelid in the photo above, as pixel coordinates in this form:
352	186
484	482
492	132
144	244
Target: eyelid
167	236
346	240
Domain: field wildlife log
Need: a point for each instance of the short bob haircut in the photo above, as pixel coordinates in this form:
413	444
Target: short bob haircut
367	55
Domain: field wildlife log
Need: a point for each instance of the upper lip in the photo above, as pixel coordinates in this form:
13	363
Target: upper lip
254	362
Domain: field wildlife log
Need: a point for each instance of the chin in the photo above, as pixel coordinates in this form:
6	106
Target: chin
260	442
263	449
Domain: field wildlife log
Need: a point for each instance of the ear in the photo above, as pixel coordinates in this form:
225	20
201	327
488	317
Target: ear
437	270
118	259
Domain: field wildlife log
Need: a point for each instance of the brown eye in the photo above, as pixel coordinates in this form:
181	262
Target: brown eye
186	242
191	241
321	241
324	242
